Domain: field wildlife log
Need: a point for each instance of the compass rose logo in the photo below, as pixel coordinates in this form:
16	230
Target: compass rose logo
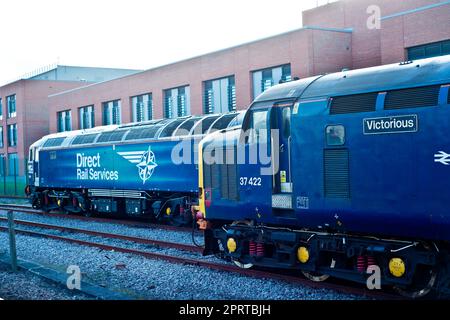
144	160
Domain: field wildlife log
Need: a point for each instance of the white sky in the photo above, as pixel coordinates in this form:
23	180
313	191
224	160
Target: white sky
136	34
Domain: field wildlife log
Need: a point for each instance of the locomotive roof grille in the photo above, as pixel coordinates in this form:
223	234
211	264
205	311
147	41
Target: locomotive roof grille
171	127
84	139
364	102
153	129
207	122
54	142
112	136
223	122
143	133
412	97
143	123
186	126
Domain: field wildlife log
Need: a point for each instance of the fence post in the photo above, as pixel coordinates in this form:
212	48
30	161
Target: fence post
26	171
12	241
4	175
15	178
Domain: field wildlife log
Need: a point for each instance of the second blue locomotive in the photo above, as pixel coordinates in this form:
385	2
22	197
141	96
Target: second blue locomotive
139	169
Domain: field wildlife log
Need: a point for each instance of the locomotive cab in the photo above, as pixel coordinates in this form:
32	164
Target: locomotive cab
33	167
342	173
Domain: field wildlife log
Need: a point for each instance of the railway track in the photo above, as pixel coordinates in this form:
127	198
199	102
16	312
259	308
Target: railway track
179	259
152	242
139	224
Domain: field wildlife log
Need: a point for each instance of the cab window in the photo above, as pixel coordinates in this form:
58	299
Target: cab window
259	127
335	135
286	122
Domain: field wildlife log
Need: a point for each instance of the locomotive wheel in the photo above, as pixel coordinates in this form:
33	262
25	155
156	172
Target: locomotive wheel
421	289
87	213
236	261
314	276
178	219
242	265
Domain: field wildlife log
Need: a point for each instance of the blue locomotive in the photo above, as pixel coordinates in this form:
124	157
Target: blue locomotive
344	175
147	168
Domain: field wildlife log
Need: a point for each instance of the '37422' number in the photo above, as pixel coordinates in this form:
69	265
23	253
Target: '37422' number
250	181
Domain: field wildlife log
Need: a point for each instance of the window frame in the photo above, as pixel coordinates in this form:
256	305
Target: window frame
85	110
12	112
63	120
12	135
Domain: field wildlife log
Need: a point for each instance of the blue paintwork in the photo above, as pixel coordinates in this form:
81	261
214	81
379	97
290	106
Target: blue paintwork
61	172
396	187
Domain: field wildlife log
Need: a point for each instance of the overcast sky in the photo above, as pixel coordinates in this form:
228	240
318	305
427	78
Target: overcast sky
134	34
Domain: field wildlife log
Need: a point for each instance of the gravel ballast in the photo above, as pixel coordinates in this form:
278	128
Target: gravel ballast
24	285
107	227
143	278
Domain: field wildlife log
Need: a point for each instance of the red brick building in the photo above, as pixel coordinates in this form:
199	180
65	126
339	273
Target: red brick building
344	34
24	114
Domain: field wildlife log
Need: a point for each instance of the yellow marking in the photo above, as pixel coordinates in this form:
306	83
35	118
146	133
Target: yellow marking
231	245
200	179
303	254
397	267
283	176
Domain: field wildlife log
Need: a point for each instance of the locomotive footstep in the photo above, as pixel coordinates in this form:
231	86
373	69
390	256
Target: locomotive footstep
316	277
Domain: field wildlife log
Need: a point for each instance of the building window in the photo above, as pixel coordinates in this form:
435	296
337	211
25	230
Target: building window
219	95
1	109
177	102
429	50
12	135
112	112
142	107
13	164
11	104
64	121
2	165
86	117
1	137
264	79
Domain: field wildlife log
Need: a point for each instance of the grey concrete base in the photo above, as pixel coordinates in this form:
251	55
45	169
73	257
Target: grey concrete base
61	278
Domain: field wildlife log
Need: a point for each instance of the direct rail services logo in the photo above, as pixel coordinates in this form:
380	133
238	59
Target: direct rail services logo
144	160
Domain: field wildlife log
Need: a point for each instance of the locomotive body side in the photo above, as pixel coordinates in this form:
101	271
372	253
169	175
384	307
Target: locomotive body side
360	178
145	166
139	169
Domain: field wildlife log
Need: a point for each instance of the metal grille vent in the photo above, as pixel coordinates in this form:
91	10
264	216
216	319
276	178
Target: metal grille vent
84	139
336	173
282	201
170	128
143	133
186	127
113	136
412	98
364	102
54	142
205	124
222	177
228	176
223	122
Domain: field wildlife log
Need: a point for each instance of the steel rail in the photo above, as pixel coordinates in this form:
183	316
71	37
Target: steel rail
219	267
140	224
153	242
